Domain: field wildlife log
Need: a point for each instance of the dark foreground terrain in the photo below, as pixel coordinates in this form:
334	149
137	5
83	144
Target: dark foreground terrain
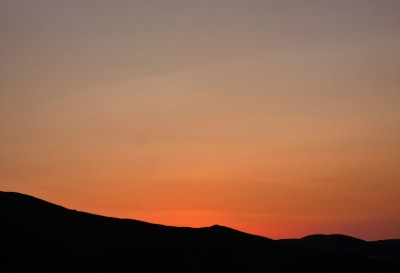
37	236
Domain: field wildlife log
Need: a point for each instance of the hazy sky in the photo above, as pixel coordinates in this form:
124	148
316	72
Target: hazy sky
279	118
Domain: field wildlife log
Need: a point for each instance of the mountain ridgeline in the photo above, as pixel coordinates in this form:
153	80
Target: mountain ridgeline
37	236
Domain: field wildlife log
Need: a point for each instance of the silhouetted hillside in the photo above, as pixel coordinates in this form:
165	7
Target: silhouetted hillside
337	243
37	236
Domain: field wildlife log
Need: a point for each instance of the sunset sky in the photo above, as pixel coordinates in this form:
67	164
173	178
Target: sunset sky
278	118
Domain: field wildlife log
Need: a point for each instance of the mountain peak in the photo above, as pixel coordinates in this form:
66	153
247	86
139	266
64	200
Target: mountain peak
332	237
217	226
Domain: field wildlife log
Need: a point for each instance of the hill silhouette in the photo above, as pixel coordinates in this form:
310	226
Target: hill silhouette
38	236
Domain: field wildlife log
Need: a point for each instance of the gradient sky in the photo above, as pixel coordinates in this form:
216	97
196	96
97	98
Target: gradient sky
279	118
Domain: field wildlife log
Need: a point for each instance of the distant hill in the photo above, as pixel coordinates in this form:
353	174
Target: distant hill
37	236
337	243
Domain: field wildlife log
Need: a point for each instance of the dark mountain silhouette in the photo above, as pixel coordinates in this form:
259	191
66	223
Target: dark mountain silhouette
384	249
37	236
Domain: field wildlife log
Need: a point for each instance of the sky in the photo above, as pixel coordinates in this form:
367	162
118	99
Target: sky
277	118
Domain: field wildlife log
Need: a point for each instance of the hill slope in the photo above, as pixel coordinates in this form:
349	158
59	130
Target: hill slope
37	236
